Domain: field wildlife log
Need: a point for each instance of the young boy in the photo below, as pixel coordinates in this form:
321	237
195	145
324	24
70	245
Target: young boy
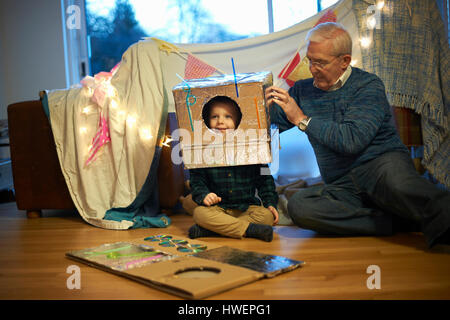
226	195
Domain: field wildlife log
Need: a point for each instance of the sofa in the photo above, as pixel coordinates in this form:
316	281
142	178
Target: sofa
38	180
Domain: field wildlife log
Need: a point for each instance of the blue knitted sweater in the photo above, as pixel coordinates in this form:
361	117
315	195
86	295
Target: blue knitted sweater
348	127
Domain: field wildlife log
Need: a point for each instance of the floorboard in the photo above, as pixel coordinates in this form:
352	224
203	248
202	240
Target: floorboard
33	263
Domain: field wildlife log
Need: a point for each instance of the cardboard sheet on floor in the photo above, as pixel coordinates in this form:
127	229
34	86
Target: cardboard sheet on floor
188	268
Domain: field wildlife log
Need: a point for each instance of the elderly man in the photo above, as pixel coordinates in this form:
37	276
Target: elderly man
368	173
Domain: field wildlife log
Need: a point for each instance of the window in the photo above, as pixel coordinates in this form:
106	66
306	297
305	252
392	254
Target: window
289	12
113	25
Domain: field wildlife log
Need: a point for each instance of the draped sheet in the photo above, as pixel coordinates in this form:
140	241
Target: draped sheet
114	180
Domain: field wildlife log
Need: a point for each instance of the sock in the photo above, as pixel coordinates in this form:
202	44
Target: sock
197	232
259	231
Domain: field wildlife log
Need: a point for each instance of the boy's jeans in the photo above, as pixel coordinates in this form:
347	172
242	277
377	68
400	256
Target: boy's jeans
363	201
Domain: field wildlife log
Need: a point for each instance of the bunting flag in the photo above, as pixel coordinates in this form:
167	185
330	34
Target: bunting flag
195	68
165	46
297	68
289	68
300	72
329	16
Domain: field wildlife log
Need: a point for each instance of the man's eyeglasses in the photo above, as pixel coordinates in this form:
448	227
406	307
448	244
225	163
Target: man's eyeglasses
320	65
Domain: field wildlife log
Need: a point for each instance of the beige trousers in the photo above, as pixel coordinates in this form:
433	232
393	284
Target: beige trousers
230	222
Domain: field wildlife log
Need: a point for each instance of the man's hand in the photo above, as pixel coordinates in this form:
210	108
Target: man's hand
275	214
211	199
290	107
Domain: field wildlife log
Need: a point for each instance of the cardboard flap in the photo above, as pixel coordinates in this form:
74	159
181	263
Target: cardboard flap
195	278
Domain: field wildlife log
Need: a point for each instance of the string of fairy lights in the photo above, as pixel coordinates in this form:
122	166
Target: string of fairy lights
372	22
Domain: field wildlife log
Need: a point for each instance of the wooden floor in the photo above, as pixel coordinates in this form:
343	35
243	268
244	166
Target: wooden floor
33	263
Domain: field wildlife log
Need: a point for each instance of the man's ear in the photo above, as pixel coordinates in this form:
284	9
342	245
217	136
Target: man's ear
346	59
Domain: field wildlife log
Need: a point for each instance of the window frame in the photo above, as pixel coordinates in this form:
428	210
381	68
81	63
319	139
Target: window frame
75	41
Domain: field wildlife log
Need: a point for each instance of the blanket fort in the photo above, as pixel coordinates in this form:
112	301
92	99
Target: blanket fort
184	267
203	147
121	182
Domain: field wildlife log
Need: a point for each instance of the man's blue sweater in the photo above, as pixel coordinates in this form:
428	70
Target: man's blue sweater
348	127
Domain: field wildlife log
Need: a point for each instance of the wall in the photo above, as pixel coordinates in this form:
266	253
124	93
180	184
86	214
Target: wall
2	74
31	50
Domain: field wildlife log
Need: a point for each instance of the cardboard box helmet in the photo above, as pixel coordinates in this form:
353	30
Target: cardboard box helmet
248	143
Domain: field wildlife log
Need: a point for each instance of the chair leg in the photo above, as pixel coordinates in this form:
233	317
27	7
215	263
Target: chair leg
31	214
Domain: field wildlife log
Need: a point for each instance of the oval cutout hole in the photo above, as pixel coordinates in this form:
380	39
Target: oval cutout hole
197	272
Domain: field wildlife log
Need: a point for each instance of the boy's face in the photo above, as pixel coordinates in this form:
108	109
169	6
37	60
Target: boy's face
222	117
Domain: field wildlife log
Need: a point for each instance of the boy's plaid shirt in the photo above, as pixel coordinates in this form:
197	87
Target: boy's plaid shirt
236	186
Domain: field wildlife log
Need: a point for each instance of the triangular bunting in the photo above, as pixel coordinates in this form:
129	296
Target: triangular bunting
287	70
329	16
166	46
196	68
300	72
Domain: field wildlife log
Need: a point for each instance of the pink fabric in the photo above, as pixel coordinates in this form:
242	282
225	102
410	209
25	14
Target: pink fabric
100	139
100	85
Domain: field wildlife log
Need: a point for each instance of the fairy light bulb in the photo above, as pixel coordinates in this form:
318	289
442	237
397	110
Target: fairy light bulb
89	91
131	121
114	104
167	140
86	110
110	91
145	134
380	5
365	42
83	130
371	23
354	62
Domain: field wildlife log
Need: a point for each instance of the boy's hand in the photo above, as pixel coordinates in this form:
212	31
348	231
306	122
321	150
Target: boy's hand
211	199
275	214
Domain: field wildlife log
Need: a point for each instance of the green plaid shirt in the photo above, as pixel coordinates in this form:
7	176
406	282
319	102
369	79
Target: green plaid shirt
236	186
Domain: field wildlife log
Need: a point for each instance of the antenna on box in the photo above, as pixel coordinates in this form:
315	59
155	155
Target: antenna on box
235	80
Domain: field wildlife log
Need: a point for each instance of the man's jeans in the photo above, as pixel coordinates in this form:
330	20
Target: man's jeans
363	201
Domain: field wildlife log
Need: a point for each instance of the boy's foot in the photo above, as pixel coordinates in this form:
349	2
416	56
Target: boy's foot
259	231
198	232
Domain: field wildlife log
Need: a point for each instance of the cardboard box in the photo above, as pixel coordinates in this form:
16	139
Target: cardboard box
202	147
184	267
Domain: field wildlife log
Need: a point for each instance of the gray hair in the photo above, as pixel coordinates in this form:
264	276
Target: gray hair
340	38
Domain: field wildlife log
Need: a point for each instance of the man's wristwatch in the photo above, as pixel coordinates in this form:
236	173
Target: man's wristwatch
302	125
